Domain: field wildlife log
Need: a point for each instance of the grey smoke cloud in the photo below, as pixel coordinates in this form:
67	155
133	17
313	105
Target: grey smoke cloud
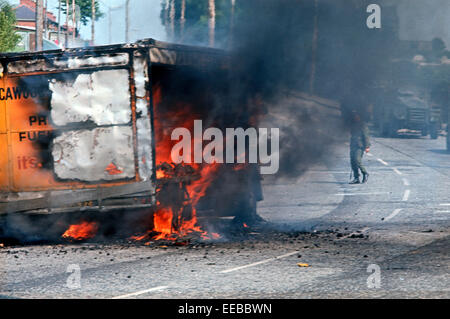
422	20
145	20
419	19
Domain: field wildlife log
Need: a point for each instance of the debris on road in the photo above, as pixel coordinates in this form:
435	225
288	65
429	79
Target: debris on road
353	236
301	265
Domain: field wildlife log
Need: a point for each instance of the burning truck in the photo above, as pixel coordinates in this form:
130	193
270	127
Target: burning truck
89	130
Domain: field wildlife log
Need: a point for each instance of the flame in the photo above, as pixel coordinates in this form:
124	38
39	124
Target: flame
112	169
82	231
240	167
163	217
162	222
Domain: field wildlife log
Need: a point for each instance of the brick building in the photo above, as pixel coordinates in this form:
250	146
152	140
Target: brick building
26	26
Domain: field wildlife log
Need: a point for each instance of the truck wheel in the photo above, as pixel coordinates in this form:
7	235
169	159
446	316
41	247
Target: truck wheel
384	130
448	142
424	132
434	131
392	129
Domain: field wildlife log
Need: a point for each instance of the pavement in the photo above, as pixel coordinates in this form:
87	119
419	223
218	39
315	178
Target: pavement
326	239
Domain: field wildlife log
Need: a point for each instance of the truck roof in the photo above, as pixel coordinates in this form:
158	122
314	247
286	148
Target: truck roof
162	53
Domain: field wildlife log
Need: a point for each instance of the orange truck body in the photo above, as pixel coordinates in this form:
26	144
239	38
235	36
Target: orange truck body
76	126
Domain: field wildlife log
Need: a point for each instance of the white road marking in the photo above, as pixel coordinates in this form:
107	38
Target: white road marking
442	211
361	194
258	263
327	172
444	205
395	213
134	294
406	195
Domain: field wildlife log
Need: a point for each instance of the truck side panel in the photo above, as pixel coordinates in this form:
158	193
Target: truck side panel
75	122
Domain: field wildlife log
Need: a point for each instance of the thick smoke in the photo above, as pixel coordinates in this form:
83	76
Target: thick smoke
323	48
273	54
285	52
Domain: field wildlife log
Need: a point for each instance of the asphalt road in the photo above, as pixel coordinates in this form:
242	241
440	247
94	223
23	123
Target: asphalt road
388	238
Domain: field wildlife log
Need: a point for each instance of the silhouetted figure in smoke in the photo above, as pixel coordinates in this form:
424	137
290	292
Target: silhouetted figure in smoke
250	178
359	143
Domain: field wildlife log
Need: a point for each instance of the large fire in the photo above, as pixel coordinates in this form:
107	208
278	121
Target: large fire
180	186
82	231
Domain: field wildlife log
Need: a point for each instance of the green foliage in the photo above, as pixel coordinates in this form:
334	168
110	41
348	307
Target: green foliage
438	45
85	10
8	36
438	50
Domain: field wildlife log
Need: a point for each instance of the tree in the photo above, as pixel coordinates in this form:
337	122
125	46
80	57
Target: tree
39	34
85	10
212	22
8	36
194	21
438	45
439	50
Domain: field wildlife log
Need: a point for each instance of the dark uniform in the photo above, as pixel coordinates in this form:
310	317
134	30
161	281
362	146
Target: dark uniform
359	143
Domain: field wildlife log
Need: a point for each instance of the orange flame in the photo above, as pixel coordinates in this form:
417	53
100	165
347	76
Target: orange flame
163	217
112	169
82	231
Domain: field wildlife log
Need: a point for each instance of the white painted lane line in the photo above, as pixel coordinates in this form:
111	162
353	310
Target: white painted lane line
382	162
258	263
406	195
395	213
444	205
397	172
361	194
327	172
134	294
406	182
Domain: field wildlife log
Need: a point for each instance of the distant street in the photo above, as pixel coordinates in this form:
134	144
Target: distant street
323	236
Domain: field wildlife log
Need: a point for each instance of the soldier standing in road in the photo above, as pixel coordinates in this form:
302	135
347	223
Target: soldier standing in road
360	143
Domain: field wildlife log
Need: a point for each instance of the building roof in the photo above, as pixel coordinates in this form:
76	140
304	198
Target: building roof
25	13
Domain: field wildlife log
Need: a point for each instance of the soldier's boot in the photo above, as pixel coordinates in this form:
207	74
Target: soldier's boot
365	178
355	181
